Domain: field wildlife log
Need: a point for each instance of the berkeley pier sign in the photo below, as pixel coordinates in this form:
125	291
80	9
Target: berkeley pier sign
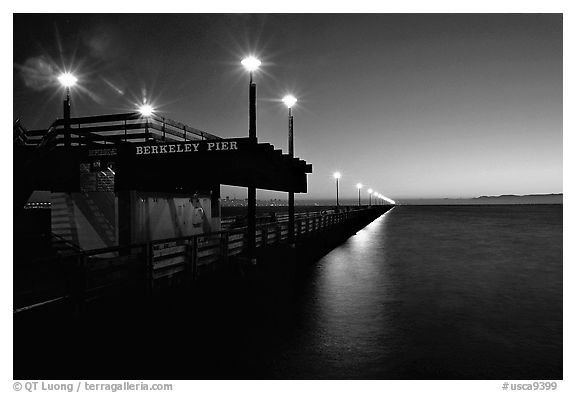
213	145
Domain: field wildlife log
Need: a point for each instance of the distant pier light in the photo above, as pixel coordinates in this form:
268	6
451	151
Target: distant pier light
390	201
337	176
359	187
370	191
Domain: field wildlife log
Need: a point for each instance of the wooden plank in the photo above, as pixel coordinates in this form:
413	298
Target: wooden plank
156	274
234	252
169	251
239	246
163	245
213	243
207	260
164	263
208	252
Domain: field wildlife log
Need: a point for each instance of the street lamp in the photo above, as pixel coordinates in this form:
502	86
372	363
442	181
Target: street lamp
359	187
370	191
337	176
67	80
289	101
146	110
251	64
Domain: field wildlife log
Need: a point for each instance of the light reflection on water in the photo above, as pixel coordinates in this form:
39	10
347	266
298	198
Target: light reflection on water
436	292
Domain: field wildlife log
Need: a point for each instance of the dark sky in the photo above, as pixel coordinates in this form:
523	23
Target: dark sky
414	106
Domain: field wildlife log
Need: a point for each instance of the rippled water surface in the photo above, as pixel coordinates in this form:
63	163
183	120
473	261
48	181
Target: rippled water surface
449	292
435	292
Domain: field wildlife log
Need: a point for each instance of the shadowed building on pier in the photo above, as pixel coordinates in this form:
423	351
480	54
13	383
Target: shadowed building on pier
127	178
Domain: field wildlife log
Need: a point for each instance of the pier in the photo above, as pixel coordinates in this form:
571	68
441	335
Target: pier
135	209
77	278
131	243
151	301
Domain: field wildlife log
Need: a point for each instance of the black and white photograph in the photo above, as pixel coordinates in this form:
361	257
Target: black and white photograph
271	196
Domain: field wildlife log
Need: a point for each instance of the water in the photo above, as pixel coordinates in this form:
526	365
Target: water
447	292
423	292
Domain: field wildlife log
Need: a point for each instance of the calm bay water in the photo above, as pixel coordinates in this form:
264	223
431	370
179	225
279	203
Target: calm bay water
423	292
448	292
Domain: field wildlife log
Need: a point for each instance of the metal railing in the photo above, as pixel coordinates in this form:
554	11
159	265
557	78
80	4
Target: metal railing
114	128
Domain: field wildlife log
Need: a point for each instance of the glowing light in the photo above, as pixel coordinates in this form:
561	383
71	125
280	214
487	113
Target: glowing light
251	63
146	110
289	101
370	191
67	79
359	186
337	175
391	201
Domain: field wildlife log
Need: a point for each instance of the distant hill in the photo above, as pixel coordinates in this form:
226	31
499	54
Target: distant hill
522	199
491	200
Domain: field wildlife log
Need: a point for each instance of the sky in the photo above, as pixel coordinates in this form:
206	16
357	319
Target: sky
411	105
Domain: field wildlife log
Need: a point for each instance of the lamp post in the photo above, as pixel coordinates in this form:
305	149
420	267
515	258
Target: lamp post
251	64
289	101
337	176
359	187
370	191
67	80
146	111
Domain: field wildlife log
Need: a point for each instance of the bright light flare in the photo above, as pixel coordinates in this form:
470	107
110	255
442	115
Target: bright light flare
146	110
67	79
337	175
370	191
391	201
289	101
359	186
251	63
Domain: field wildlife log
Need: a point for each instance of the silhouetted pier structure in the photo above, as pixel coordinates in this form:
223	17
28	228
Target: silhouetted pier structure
135	205
78	277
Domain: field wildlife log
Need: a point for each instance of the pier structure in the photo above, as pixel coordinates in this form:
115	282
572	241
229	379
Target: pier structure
77	277
121	179
135	207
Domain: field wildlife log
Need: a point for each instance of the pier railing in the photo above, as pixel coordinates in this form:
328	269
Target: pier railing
139	268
